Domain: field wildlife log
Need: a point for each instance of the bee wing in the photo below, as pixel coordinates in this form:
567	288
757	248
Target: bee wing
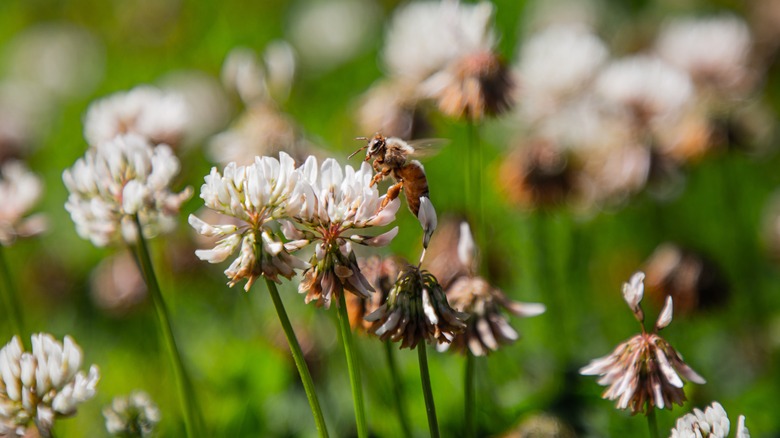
427	147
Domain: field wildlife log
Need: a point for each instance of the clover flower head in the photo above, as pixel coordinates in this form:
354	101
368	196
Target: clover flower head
42	385
255	195
713	422
556	63
714	50
336	202
20	189
650	88
117	180
486	327
133	415
157	115
416	310
424	37
643	372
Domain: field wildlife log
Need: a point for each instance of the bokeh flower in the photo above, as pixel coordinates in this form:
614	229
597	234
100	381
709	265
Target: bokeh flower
20	189
117	180
416	310
337	202
256	195
158	116
135	415
713	422
43	385
644	372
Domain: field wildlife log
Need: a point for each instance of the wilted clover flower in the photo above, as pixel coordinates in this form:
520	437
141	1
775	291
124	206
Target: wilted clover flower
644	372
336	202
381	274
19	190
43	385
256	195
120	179
712	423
486	326
416	310
158	116
135	415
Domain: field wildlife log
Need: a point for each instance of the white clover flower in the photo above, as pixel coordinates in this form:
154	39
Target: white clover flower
157	115
643	373
135	415
647	86
336	202
556	63
43	385
117	180
20	189
713	50
424	37
712	423
257	194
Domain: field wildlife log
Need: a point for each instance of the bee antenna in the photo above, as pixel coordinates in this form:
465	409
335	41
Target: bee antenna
355	153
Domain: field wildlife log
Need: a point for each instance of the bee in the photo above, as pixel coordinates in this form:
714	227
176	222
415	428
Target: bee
392	158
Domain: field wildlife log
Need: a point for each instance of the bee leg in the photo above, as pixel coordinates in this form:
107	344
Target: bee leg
375	180
392	193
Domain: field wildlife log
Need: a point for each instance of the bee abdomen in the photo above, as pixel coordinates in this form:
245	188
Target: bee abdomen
415	184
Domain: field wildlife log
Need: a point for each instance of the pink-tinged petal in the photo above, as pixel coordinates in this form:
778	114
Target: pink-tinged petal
525	309
666	315
210	230
667	370
633	291
467	250
427	218
689	373
386	215
289	231
296	245
383	239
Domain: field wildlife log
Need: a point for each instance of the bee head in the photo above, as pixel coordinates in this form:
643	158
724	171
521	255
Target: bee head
376	145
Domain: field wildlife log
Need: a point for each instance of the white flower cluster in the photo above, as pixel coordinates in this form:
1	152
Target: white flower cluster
135	415
43	385
326	201
712	423
147	111
118	179
19	190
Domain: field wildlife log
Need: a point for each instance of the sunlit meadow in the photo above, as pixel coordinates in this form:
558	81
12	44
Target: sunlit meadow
188	247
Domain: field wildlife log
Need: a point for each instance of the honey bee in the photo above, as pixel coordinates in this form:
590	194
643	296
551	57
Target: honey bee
392	158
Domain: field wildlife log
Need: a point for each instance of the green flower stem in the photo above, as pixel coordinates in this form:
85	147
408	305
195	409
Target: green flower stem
397	389
470	395
300	363
352	366
430	407
652	424
186	394
10	301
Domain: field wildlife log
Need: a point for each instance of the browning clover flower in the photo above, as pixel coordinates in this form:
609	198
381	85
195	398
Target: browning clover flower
643	372
119	179
43	385
337	201
381	274
416	310
256	195
135	415
486	327
19	190
712	423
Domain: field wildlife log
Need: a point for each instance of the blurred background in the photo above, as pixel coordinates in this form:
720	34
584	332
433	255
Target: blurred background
568	216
